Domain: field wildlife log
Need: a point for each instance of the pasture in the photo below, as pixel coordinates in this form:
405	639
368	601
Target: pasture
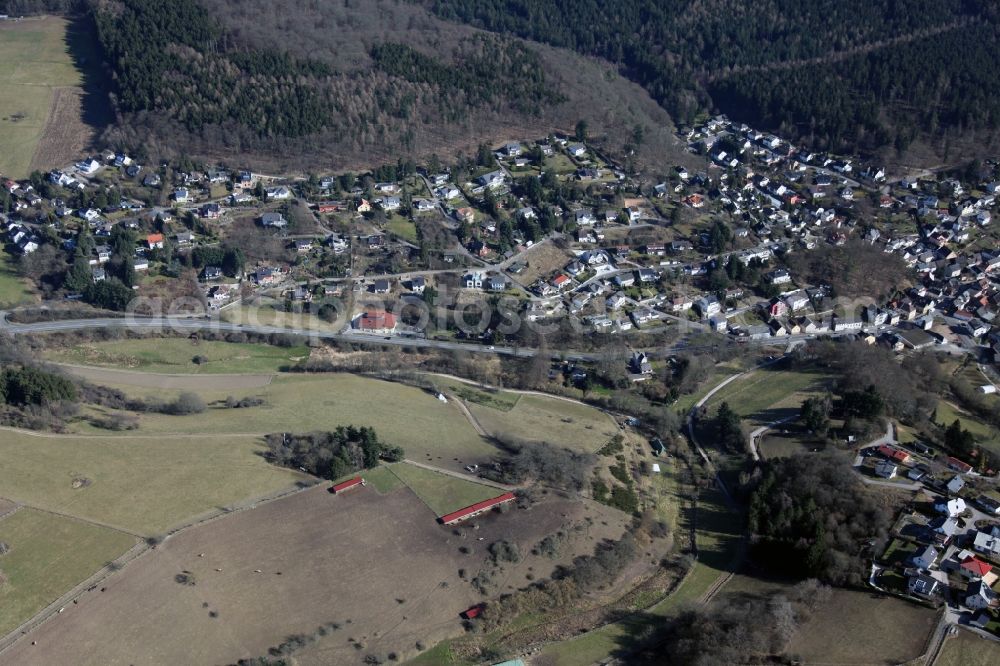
49	554
767	394
429	430
968	649
376	567
537	418
856	627
440	492
177	356
37	61
851	627
947	413
145	485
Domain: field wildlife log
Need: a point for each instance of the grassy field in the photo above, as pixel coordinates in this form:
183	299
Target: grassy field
440	492
382	479
718	374
852	627
48	555
947	413
403	228
37	60
968	649
142	484
175	355
12	287
543	419
766	395
862	628
429	430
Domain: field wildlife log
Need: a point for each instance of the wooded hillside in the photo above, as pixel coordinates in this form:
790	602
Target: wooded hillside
327	84
841	74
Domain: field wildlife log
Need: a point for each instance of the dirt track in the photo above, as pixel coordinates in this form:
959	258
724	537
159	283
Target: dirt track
163	381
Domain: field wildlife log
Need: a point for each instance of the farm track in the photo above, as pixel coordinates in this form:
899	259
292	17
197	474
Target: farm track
837	56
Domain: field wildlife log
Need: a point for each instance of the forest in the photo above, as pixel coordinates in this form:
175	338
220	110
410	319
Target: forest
810	516
837	74
183	80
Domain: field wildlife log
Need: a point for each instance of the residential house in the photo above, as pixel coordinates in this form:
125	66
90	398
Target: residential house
708	305
279	193
978	595
378	322
988	504
273	219
779	276
211	273
496	282
885	469
987	544
924	586
953	507
639	364
955	485
973	568
925	558
473	280
418	285
381	286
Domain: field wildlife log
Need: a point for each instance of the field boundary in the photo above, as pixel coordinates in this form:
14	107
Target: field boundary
140	548
54	608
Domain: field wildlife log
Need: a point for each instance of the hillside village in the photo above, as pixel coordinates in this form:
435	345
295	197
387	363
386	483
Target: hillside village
553	224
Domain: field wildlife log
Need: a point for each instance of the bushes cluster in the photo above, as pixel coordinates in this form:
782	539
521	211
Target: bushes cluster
331	454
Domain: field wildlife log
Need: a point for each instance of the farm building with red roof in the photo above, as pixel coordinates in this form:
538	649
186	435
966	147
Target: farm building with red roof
338	488
472	612
476	509
376	321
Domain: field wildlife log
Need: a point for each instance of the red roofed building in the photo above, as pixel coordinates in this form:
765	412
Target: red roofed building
894	454
959	466
476	509
356	482
974	568
376	321
472	612
560	281
154	241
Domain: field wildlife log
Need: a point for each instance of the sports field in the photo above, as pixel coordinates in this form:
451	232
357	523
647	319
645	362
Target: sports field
177	356
36	62
145	485
49	554
442	493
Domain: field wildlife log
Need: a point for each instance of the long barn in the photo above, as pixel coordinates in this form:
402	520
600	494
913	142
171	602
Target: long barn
356	482
476	509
